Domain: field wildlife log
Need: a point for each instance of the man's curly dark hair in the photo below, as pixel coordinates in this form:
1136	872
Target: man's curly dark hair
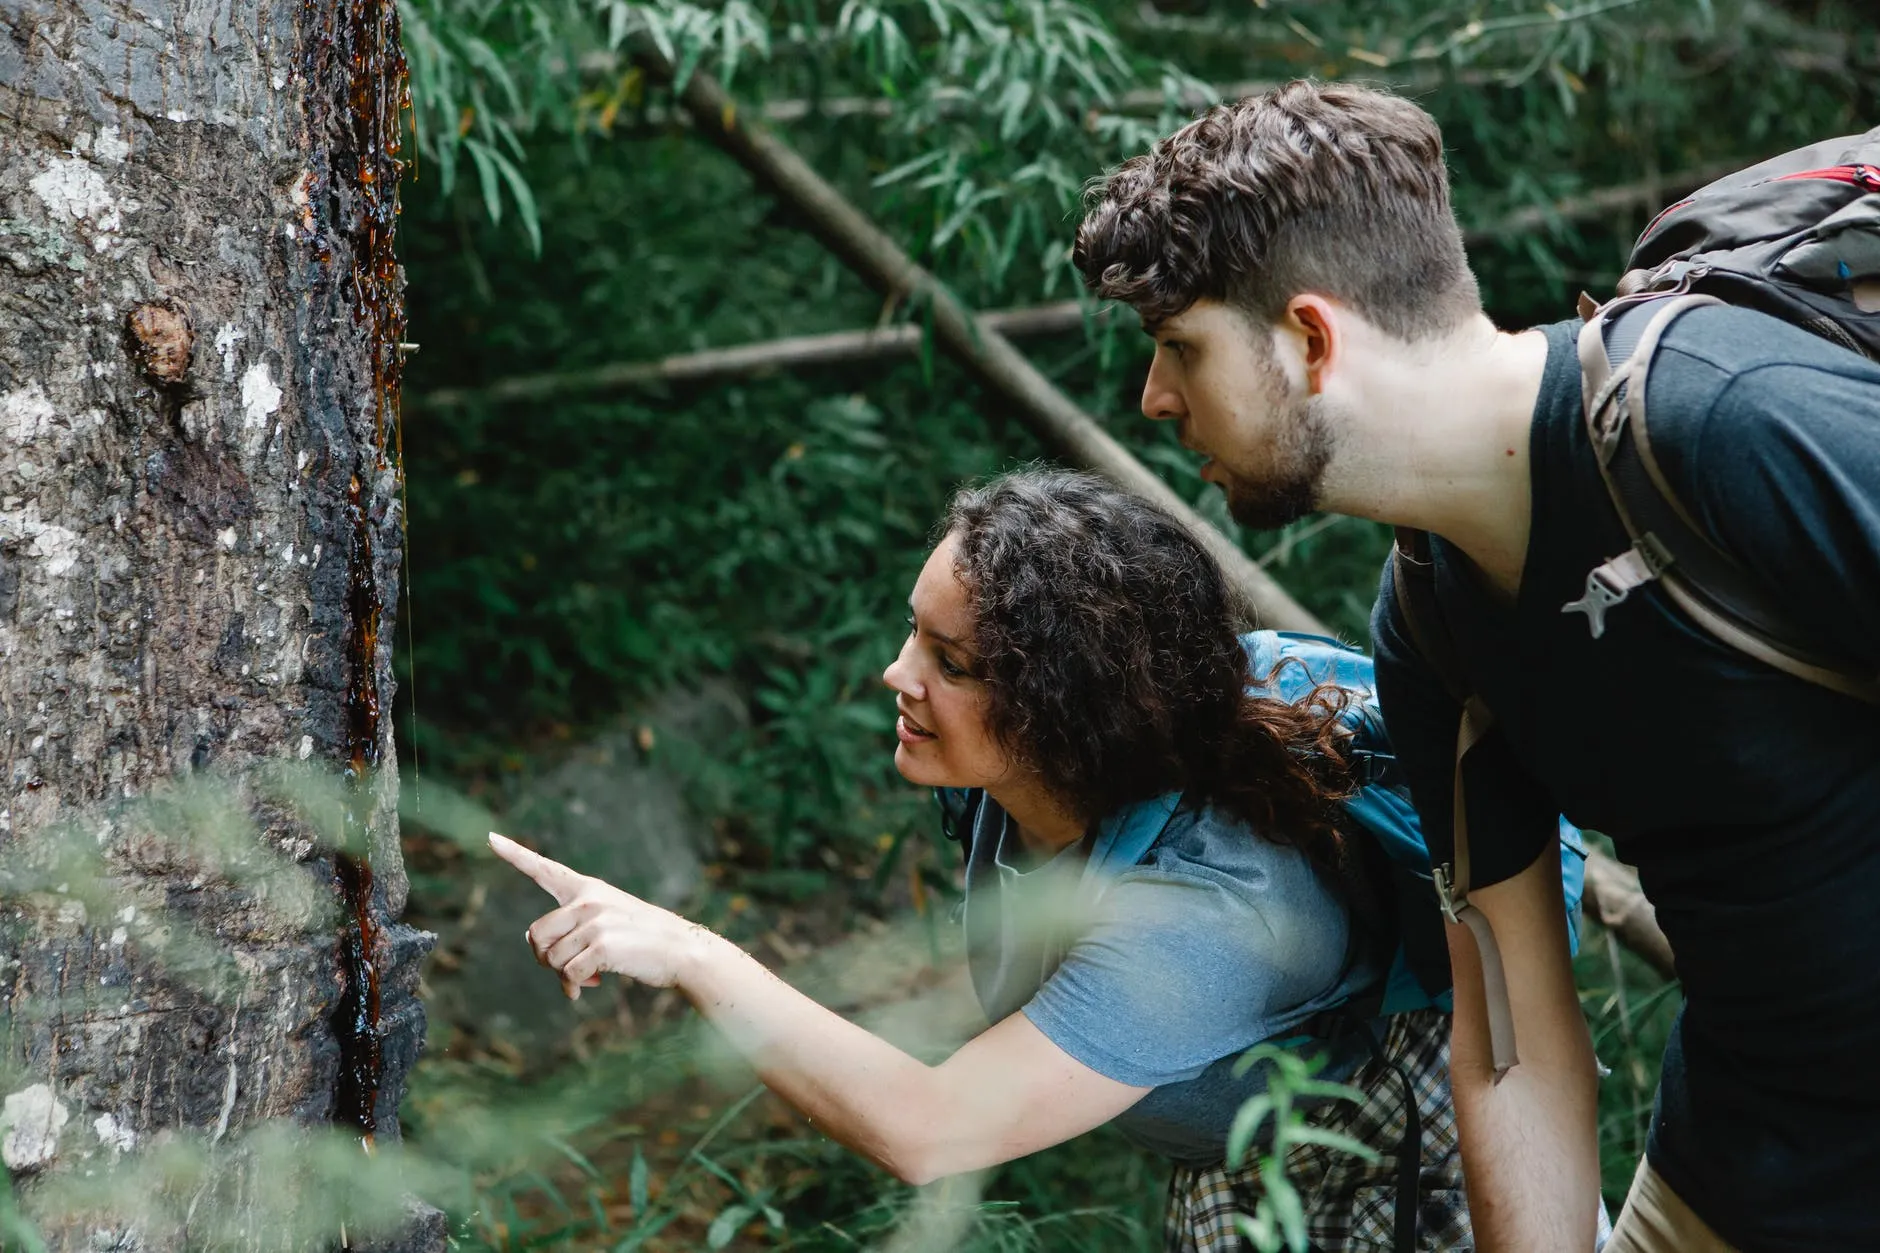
1108	645
1330	188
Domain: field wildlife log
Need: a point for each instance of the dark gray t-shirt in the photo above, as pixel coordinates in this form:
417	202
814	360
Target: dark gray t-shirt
1163	974
1748	800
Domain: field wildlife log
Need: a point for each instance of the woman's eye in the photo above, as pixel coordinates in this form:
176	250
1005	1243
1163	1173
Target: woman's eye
910	624
949	669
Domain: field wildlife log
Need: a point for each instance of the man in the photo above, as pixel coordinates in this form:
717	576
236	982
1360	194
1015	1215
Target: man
1319	337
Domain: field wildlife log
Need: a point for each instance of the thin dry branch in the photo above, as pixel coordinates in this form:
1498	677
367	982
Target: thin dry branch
973	341
1646	193
764	357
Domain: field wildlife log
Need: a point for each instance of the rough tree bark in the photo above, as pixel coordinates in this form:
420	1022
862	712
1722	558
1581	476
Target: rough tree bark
200	542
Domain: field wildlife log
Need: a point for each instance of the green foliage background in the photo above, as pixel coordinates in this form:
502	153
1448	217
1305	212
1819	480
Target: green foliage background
570	559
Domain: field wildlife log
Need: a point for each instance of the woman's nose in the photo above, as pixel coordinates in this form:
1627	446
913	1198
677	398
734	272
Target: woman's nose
899	676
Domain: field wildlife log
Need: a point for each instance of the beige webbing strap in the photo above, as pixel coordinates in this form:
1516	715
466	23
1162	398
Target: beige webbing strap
1864	689
1452	889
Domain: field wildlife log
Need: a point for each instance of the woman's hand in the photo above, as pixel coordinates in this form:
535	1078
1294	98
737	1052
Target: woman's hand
597	927
1010	1092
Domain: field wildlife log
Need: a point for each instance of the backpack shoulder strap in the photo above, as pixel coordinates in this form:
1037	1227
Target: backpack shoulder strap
1413	580
1413	585
1125	837
1617	347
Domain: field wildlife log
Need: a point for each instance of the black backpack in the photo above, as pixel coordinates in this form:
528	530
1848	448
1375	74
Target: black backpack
1797	237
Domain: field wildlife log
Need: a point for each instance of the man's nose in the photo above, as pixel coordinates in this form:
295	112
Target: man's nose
1160	400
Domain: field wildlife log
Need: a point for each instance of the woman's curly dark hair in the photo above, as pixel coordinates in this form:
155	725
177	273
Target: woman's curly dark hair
1107	642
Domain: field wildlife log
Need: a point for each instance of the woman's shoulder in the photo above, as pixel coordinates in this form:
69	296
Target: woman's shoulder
1206	845
1236	910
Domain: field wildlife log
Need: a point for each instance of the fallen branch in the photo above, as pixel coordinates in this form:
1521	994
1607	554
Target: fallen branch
974	341
765	357
1614	897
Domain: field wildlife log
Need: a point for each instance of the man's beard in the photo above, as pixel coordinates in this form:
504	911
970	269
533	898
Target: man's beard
1288	487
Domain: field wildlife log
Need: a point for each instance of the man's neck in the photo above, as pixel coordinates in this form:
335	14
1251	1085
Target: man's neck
1436	437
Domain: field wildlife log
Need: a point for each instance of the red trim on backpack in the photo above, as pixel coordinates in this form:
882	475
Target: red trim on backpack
1862	176
1865	176
1663	214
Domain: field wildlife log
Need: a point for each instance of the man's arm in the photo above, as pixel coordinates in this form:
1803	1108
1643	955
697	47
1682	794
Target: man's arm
1529	1142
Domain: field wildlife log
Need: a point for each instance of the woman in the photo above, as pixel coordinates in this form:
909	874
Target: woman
1071	657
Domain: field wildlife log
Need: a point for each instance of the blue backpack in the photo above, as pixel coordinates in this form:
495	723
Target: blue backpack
1288	666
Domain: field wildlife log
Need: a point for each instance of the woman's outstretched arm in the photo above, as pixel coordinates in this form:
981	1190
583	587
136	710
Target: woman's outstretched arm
1008	1092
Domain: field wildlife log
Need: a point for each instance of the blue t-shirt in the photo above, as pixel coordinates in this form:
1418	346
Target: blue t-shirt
1748	799
1163	974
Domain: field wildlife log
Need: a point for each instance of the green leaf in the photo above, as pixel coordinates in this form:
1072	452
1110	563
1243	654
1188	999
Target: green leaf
1305	1133
903	170
573	1154
525	199
656	30
1287	1206
1012	105
481	56
726	1225
639	1185
1246	1125
941	19
1259	1230
483	157
1323	1087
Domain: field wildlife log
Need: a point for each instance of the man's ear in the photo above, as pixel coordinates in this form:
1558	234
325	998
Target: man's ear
1312	322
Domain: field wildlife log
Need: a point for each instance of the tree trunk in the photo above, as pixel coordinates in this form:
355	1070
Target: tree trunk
200	543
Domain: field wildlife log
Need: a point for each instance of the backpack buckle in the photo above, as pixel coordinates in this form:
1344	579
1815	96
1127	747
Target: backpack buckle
1610	582
1444	878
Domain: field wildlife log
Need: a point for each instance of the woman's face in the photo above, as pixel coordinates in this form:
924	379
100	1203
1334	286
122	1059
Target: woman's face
944	739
